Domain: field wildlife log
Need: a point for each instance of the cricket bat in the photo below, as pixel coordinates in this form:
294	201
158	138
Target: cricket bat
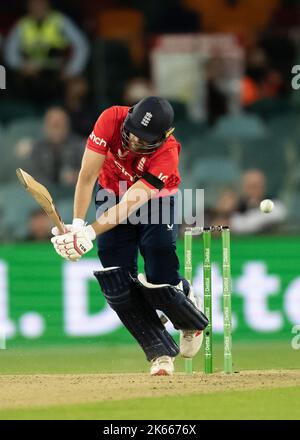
40	193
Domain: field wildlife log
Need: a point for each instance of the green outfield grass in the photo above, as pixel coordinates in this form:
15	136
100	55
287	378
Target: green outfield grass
240	404
280	403
127	359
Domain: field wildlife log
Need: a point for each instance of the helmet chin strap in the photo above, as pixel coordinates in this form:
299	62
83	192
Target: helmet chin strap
143	149
169	132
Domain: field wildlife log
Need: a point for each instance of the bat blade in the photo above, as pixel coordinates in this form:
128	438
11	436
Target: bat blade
40	193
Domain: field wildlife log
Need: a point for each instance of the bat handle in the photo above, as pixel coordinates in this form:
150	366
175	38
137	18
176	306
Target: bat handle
61	228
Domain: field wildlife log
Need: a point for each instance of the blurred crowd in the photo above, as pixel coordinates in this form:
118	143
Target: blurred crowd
66	61
241	209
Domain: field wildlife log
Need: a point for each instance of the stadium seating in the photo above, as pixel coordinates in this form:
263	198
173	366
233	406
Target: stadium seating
15	207
211	158
270	107
112	69
240	126
11	109
124	25
16	145
65	209
25	127
187	131
212	174
207	146
268	155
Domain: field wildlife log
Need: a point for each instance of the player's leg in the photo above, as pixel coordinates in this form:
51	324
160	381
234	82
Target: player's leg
117	250
165	289
118	247
122	294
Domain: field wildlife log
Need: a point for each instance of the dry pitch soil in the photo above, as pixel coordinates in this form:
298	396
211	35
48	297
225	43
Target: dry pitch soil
20	391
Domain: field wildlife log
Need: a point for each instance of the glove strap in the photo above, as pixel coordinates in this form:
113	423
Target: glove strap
78	223
91	232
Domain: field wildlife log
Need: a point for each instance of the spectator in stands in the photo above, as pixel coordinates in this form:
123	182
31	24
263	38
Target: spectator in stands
261	80
248	218
39	226
79	107
170	16
136	89
57	157
225	207
216	100
44	49
242	17
282	53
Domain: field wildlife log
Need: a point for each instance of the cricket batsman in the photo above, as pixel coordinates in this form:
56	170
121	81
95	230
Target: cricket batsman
134	157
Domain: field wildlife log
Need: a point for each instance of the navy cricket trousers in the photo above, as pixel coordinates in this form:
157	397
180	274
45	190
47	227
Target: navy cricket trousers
155	242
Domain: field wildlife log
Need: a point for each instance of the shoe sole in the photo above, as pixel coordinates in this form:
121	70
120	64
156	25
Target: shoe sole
161	372
189	356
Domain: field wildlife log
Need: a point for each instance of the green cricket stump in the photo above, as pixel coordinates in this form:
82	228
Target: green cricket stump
227	318
207	289
208	355
188	366
188	274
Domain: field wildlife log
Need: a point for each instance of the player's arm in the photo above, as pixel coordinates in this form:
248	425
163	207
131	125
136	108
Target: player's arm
92	163
136	196
73	245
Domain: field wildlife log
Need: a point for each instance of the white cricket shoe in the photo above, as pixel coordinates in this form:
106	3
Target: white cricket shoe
162	366
191	340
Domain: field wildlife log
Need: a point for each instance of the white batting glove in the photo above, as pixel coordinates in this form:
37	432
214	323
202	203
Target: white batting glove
73	245
77	224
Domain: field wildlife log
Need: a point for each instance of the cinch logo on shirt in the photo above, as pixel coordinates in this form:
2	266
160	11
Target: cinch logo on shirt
121	168
97	140
162	177
146	119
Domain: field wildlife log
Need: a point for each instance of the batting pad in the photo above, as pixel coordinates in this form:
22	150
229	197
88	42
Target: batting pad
140	319
173	302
